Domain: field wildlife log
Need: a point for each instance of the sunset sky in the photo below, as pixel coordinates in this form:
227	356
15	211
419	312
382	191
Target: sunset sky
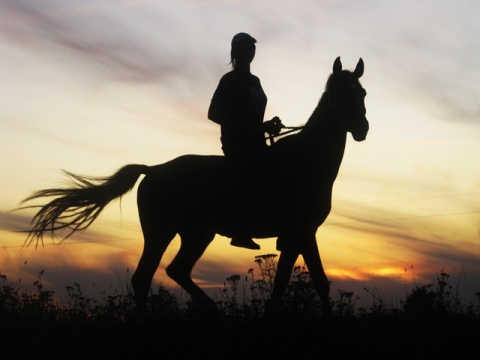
89	86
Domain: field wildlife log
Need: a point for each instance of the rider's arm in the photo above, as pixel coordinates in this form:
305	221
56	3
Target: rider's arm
218	111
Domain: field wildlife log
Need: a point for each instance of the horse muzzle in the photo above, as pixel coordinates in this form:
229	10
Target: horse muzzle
361	130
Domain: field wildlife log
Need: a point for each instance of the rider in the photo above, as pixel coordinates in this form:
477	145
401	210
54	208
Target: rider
238	106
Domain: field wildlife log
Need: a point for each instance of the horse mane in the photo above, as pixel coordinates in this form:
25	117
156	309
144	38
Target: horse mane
332	95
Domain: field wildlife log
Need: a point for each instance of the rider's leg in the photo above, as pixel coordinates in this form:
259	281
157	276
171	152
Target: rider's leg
245	190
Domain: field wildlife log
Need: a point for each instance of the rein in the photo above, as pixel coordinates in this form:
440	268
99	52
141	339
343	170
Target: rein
289	129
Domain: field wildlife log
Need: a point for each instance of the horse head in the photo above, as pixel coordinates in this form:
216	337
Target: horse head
347	96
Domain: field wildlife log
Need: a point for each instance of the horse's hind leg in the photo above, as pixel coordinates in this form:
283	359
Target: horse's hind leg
319	278
192	247
156	241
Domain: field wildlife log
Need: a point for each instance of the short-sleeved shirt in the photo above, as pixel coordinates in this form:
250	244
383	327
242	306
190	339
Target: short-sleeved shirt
238	105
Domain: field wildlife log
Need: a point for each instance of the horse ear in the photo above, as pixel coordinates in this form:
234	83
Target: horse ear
337	65
359	69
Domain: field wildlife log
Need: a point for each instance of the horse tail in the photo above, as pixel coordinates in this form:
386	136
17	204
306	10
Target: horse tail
76	207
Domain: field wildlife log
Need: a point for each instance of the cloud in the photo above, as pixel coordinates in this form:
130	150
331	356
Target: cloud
133	41
10	221
423	236
103	233
432	57
100	41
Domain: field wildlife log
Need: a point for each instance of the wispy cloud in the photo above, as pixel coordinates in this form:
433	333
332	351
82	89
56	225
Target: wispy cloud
425	235
101	40
421	55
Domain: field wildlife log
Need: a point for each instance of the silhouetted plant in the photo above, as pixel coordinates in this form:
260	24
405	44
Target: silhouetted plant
229	304
162	302
420	302
242	297
10	300
268	270
475	309
257	302
439	298
232	301
301	295
39	304
378	304
78	305
344	303
32	305
448	297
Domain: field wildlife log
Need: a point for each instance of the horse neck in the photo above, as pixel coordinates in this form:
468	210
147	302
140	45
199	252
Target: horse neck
325	139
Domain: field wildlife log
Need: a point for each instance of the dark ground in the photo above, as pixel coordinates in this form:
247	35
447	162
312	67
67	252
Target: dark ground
201	337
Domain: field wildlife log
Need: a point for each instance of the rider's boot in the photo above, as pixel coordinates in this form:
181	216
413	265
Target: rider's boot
245	242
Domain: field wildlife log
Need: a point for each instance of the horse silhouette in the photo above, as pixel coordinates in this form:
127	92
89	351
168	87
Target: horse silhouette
195	196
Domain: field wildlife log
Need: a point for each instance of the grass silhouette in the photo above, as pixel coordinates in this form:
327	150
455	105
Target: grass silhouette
431	319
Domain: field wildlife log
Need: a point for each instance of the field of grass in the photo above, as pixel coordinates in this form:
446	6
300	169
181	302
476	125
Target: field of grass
430	322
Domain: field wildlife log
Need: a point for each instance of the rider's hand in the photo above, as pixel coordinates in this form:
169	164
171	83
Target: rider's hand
273	126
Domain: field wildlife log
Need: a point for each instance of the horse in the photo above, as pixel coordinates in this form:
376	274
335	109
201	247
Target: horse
196	197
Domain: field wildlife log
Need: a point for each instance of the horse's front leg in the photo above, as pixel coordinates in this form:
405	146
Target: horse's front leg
311	255
282	277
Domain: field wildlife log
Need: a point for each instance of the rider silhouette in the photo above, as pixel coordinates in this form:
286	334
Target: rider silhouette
238	106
